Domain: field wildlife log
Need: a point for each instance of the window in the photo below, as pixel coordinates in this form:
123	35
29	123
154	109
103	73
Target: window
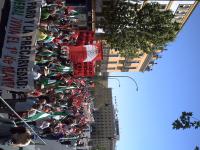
133	62
111	68
130	67
178	18
112	62
184	6
121	61
179	12
119	67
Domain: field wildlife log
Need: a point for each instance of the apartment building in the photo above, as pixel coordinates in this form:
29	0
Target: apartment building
113	62
105	129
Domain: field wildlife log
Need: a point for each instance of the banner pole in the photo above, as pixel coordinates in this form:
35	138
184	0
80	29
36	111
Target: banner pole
21	119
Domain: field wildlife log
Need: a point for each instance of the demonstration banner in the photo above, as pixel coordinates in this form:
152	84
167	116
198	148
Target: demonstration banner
18	54
85	53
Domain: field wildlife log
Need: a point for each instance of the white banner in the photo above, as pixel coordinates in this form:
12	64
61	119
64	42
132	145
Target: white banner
18	54
91	51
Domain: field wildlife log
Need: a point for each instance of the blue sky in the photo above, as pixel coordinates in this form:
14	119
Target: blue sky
172	87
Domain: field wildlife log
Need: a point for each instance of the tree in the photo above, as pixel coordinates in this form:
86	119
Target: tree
133	31
196	148
185	121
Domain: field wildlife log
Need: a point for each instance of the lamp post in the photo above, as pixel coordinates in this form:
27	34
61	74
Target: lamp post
115	76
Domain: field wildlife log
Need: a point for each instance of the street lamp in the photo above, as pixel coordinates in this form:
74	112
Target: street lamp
114	76
116	80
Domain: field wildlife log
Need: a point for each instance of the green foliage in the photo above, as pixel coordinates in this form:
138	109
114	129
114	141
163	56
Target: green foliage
185	121
196	148
133	31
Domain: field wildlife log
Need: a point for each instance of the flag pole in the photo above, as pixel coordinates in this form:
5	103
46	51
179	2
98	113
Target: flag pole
21	119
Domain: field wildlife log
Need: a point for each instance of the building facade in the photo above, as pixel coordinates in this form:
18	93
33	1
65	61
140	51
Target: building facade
113	62
105	130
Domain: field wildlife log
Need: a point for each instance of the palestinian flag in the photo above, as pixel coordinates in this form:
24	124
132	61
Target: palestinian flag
42	115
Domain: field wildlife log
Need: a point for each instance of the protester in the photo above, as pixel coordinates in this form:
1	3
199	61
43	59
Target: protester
61	105
10	134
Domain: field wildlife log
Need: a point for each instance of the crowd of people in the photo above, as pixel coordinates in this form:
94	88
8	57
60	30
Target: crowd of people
61	105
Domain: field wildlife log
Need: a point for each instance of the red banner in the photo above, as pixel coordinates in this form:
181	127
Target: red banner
85	53
84	69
